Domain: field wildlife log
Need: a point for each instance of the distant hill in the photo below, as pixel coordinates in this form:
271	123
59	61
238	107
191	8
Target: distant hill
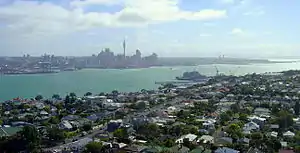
190	61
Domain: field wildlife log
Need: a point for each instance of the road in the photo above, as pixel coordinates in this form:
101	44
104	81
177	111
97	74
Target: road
78	138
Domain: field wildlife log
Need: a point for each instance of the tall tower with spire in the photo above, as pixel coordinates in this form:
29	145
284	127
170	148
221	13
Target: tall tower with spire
124	48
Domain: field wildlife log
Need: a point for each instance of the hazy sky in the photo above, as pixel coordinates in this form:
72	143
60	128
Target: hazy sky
238	28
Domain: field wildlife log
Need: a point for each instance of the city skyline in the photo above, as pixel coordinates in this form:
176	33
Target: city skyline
170	28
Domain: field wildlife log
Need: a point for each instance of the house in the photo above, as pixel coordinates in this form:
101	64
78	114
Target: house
226	150
44	113
288	134
223	140
283	144
79	145
274	126
113	125
286	151
70	117
190	137
258	120
9	131
262	111
244	141
254	150
274	134
250	126
66	125
179	149
201	150
207	139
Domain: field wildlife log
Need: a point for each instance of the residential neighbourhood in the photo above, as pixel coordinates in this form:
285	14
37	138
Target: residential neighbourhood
227	114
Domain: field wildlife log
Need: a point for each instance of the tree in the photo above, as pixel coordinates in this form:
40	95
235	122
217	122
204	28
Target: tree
72	94
234	131
56	96
235	107
38	97
87	127
243	117
256	139
285	119
297	108
54	120
224	117
94	147
47	109
88	94
32	138
169	143
120	133
55	133
140	105
67	99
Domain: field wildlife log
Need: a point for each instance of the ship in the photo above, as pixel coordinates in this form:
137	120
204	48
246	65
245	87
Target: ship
192	76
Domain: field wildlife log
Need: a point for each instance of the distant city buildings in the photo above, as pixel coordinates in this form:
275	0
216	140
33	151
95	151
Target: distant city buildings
48	63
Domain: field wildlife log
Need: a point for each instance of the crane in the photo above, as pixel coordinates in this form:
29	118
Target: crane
217	70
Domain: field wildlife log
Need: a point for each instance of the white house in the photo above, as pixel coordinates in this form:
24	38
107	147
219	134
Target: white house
65	125
190	137
250	126
207	139
288	134
262	111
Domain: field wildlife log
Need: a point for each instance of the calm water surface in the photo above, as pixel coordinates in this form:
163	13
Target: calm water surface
97	81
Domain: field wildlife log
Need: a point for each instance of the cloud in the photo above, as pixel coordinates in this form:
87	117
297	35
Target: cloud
227	1
45	17
237	31
255	12
205	35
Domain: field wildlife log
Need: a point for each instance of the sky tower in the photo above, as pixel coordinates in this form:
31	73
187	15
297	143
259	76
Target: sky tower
124	48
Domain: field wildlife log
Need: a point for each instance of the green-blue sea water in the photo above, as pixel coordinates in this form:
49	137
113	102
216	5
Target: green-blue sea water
106	80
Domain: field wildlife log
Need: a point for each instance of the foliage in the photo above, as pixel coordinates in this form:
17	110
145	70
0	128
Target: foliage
285	119
140	105
54	120
234	131
67	99
297	108
72	94
87	127
169	143
32	137
88	94
47	109
120	133
38	97
256	139
94	147
55	133
243	117
224	117
56	96
188	144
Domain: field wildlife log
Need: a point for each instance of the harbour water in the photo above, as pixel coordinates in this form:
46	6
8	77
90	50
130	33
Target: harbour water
106	80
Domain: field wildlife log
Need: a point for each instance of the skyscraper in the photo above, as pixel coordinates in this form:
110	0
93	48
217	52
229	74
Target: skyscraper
124	47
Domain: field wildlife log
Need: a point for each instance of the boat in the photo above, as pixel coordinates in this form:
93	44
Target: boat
192	76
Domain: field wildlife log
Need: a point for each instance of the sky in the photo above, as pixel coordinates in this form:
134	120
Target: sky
170	28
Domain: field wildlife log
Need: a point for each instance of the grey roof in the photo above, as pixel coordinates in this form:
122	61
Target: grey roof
254	150
226	150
